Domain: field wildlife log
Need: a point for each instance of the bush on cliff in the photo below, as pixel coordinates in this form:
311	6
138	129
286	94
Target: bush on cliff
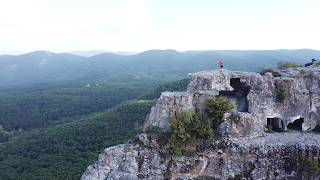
187	129
286	65
215	108
305	74
282	92
308	165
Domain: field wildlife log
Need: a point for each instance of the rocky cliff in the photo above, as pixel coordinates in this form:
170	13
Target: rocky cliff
288	104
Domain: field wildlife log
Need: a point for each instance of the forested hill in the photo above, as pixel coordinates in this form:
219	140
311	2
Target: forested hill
64	150
180	85
58	111
42	69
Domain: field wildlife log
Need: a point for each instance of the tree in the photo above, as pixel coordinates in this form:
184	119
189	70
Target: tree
215	108
187	129
282	92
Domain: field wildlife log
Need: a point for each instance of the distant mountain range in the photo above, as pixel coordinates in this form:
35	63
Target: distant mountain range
153	65
97	52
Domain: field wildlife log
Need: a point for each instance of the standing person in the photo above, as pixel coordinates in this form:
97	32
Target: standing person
221	63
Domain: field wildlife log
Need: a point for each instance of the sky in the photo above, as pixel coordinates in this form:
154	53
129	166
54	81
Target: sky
138	25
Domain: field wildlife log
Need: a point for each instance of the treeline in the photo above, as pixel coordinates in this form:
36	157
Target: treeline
64	151
180	85
37	109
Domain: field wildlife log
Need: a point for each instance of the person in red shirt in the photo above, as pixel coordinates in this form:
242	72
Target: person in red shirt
221	63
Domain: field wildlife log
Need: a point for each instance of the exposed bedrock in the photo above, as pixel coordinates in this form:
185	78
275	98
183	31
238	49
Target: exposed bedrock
274	156
268	100
287	105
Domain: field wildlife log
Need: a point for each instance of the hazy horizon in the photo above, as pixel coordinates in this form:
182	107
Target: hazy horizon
86	53
136	26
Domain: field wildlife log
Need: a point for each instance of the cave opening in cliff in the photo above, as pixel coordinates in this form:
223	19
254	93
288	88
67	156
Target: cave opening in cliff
276	124
317	128
296	125
238	94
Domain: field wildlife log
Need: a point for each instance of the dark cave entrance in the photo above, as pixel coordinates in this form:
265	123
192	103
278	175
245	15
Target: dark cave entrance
317	128
296	125
239	93
276	124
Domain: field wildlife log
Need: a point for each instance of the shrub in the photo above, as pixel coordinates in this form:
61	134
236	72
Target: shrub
187	129
282	92
304	73
308	165
286	65
215	108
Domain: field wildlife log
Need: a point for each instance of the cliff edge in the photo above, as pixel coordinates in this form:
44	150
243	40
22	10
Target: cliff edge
287	104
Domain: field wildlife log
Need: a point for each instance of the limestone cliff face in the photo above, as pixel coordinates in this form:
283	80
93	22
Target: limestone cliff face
126	161
253	95
272	156
288	104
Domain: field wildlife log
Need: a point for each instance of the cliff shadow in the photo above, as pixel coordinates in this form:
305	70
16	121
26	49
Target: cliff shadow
238	95
276	124
296	125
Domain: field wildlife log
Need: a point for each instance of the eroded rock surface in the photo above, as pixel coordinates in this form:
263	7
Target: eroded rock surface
246	151
293	96
272	156
126	161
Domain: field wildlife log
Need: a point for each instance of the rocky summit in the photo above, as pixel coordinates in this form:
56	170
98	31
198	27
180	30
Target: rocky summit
285	102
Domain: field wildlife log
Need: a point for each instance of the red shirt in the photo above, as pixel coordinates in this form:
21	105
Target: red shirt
221	62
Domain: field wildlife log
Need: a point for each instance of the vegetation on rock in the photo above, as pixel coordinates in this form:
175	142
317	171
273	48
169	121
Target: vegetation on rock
286	65
270	70
215	108
308	165
187	129
304	73
282	92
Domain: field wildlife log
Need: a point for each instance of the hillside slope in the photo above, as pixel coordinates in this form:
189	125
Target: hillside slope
64	151
43	67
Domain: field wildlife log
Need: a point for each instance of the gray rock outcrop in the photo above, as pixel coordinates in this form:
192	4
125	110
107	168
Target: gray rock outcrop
288	104
277	101
273	156
127	162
